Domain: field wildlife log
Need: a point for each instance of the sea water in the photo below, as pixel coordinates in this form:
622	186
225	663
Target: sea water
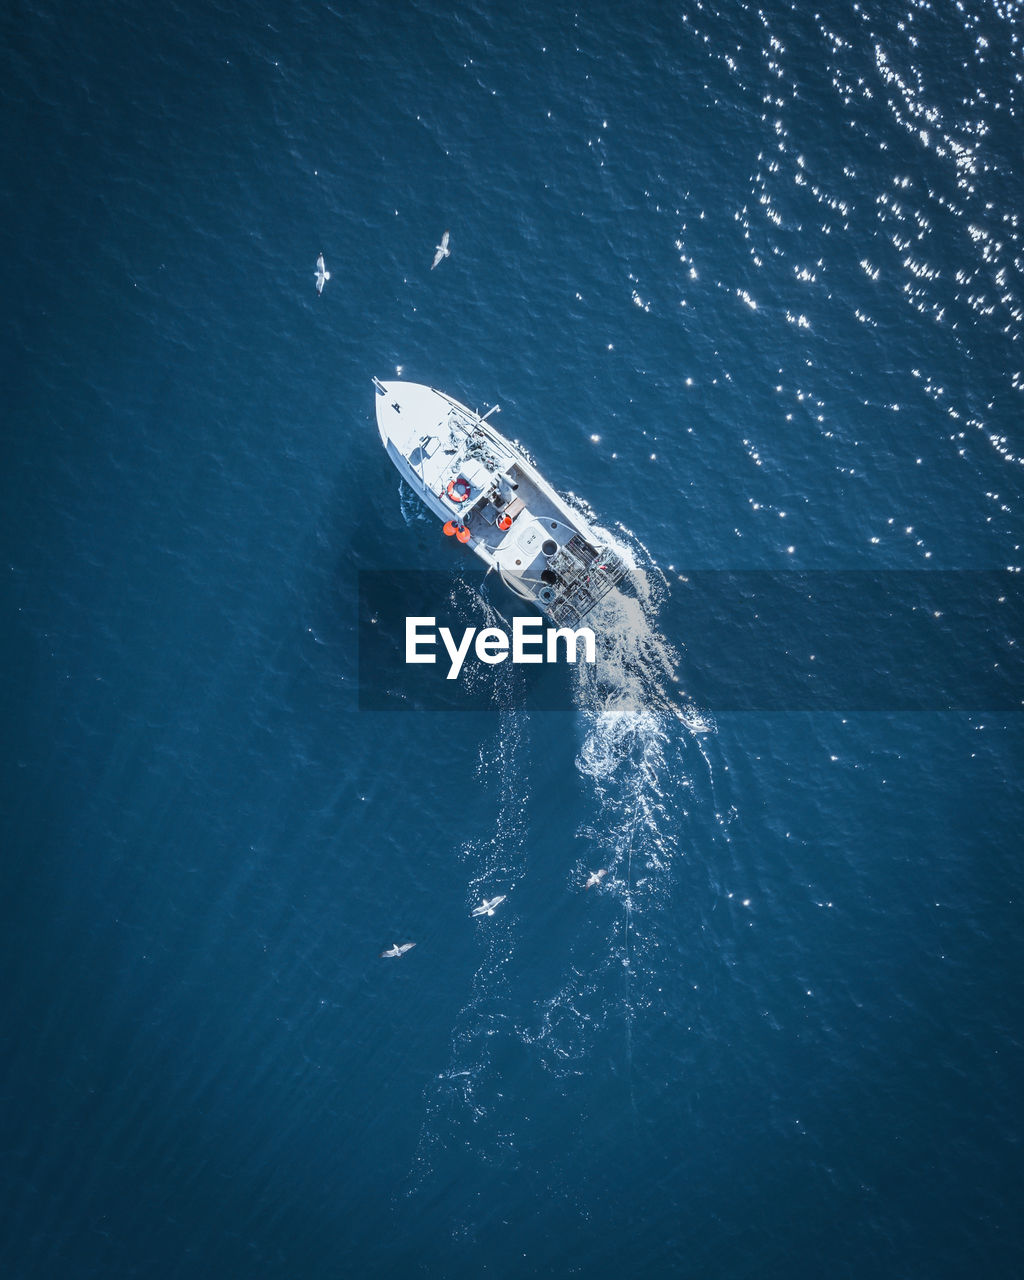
747	283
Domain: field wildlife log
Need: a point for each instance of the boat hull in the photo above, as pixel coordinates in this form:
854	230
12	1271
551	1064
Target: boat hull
489	496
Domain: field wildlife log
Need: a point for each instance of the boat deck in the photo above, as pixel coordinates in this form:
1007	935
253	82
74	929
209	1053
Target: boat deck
480	485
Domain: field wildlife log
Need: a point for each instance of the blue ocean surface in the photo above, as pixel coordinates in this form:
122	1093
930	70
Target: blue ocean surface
748	282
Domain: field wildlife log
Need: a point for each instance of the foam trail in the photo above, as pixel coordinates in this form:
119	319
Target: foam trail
639	740
457	1100
635	750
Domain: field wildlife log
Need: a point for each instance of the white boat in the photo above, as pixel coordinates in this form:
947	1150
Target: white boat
489	496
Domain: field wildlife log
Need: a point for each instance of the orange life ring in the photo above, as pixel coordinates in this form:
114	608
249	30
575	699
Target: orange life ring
463	488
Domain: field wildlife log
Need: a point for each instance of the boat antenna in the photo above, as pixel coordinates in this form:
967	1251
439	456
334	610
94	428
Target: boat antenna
495	408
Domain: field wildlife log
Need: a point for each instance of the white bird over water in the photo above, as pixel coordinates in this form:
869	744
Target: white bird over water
395	950
442	251
322	274
486	908
595	878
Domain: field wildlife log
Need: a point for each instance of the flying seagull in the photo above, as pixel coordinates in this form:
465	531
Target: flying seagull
486	908
395	950
595	878
322	274
442	251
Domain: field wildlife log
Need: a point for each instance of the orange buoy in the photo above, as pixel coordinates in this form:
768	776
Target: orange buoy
459	489
505	523
449	528
462	533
